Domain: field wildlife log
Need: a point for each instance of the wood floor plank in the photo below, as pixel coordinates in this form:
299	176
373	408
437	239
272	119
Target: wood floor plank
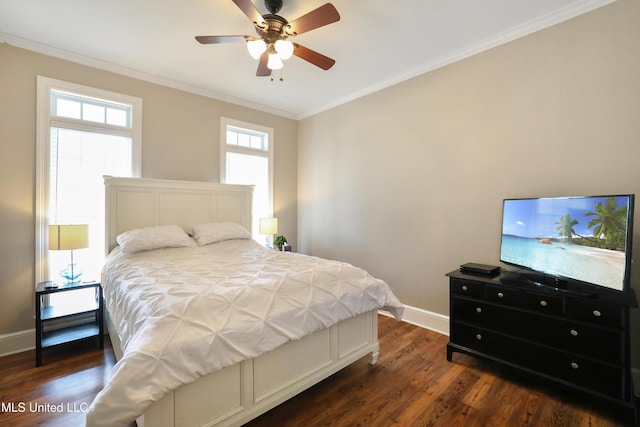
411	385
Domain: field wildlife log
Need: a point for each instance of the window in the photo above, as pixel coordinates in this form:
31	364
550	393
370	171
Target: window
83	134
246	158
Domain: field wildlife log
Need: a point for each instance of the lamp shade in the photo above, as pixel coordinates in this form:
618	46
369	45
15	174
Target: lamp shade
256	48
68	237
284	49
268	225
274	62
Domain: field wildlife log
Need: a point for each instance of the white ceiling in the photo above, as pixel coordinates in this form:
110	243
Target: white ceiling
375	44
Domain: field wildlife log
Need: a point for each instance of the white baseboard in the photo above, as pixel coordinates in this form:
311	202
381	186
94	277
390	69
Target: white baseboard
425	319
17	342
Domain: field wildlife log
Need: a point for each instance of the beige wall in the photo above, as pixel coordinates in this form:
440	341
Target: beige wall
408	182
180	141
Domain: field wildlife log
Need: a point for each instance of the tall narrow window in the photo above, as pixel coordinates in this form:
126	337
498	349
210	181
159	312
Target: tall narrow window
83	134
246	158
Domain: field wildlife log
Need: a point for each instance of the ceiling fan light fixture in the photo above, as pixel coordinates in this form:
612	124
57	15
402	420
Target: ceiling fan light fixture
274	62
271	47
284	49
256	48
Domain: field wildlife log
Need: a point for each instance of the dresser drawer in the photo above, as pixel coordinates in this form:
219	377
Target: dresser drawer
598	314
599	377
495	345
464	287
605	344
576	370
477	339
526	300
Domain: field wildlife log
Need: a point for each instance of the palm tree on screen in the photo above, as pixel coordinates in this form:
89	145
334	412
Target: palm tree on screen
609	222
565	227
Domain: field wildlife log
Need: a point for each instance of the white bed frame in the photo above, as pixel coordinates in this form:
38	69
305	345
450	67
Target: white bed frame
239	393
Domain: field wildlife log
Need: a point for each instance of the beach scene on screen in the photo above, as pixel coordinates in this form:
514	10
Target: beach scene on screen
577	238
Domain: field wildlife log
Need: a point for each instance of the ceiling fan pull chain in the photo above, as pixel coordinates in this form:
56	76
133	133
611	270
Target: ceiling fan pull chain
281	77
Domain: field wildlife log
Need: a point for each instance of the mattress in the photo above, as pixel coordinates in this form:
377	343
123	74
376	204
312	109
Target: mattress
182	313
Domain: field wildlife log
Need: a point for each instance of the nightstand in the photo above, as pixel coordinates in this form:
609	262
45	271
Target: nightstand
72	321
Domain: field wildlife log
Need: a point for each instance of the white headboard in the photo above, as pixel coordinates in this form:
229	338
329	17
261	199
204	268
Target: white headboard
140	202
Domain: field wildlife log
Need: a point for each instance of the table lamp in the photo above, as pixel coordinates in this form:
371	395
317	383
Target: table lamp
269	227
67	238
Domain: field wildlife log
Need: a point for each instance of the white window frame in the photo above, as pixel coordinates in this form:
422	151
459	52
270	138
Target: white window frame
224	148
45	121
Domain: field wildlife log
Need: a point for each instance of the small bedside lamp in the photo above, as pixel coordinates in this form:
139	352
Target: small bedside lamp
69	237
269	227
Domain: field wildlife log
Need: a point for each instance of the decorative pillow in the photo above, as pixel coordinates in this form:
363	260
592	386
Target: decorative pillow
144	239
214	232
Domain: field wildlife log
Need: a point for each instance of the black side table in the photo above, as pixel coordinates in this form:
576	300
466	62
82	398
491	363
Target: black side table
49	338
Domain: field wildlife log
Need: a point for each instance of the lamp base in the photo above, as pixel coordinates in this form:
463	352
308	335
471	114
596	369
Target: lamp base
72	273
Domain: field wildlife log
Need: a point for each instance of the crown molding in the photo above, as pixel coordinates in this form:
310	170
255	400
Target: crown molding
136	74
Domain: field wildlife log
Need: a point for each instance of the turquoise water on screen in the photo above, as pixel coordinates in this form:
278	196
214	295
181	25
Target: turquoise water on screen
599	266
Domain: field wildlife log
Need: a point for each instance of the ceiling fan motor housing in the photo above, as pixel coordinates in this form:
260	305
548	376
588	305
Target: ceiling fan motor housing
274	29
273	6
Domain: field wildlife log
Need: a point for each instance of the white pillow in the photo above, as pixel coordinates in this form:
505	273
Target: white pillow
144	239
214	232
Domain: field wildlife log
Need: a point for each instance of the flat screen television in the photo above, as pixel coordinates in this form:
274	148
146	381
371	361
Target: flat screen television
584	240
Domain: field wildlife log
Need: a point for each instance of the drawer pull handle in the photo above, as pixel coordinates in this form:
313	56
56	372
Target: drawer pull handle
573	333
597	313
465	288
574	365
543	303
500	295
478	310
479	337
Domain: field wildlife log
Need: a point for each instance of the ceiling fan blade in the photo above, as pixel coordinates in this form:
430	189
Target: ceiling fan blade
324	15
317	59
250	10
221	39
263	70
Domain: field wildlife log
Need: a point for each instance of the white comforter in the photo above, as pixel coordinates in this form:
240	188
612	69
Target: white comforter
183	313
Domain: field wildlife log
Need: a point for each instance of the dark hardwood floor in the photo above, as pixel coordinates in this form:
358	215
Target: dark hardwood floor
56	393
411	385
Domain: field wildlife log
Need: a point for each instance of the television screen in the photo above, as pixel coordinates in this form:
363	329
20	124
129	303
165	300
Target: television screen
582	238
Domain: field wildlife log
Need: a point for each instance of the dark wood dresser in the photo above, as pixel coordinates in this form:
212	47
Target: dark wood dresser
570	339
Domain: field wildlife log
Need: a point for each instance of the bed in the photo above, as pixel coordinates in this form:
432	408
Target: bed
296	348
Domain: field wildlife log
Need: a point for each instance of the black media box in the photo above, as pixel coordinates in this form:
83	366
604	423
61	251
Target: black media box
480	269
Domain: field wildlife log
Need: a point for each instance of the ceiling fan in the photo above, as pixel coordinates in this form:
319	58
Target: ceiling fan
272	46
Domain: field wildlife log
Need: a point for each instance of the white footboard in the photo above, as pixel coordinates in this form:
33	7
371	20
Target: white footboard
239	393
